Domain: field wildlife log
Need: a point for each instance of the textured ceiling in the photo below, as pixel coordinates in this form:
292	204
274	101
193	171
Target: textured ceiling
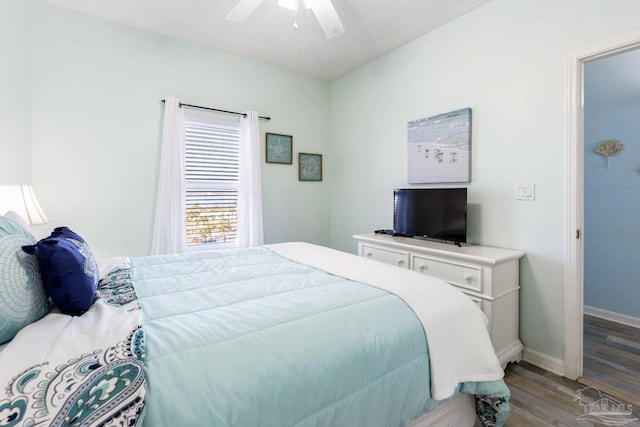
372	28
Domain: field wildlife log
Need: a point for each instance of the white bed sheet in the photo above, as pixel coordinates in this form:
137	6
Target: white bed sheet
460	349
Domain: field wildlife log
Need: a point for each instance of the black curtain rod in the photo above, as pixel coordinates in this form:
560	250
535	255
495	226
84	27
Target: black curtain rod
220	111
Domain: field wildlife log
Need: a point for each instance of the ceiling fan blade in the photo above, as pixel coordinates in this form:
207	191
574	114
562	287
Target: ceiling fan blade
243	10
327	17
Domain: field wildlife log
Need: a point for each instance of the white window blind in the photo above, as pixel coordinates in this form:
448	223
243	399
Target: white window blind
211	183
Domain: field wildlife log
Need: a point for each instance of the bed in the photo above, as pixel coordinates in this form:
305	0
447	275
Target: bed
290	334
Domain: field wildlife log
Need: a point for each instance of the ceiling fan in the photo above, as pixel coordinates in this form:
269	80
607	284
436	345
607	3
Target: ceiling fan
323	10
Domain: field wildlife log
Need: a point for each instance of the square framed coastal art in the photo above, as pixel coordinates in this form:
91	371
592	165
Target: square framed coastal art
439	148
279	148
309	167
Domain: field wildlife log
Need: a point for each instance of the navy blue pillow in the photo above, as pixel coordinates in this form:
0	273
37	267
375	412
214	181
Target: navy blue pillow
68	269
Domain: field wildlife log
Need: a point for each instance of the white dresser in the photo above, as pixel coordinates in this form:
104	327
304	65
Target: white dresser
489	276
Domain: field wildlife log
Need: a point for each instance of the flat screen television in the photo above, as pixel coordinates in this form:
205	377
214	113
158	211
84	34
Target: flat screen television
431	213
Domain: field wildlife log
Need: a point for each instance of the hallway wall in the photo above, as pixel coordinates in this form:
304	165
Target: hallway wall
612	194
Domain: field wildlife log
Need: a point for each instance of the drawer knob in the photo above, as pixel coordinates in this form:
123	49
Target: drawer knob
468	277
422	267
369	254
400	262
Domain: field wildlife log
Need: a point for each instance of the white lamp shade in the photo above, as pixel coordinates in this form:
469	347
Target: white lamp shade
22	200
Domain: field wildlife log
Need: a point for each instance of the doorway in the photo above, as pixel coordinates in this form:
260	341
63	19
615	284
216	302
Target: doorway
574	271
611	94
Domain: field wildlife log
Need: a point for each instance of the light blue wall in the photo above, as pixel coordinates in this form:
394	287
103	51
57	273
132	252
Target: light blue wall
15	93
505	60
96	127
94	121
612	208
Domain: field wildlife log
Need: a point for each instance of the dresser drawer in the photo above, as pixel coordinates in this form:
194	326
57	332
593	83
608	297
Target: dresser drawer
488	276
400	259
466	276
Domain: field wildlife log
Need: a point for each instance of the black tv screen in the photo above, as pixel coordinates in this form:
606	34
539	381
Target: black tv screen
434	213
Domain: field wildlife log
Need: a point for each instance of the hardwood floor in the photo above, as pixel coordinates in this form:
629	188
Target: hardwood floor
611	365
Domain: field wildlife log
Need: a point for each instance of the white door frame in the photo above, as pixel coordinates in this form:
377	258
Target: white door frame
574	247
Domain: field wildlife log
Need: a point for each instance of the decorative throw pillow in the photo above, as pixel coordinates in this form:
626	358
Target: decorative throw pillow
68	269
15	217
22	296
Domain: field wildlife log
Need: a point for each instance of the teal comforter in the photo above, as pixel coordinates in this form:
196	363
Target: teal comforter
258	340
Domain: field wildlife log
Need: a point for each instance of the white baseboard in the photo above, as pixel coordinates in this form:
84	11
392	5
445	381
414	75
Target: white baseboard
556	366
612	316
543	361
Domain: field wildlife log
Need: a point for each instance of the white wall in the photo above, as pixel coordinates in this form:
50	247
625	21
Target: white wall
506	61
97	118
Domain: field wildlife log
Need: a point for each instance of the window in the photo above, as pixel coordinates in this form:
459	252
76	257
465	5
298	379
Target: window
211	182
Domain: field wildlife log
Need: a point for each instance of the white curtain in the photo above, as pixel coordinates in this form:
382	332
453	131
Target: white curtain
168	233
250	231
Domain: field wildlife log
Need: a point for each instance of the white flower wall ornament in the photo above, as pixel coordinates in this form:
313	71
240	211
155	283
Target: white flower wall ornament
610	147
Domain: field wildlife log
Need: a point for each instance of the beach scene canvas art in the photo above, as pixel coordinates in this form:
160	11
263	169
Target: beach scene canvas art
439	148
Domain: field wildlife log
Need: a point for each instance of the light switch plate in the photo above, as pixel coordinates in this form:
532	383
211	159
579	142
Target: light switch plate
525	192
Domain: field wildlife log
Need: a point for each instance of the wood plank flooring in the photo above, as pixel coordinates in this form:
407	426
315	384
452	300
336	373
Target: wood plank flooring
611	364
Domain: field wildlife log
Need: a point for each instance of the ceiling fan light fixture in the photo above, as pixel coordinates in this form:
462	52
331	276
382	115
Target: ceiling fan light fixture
288	4
323	10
